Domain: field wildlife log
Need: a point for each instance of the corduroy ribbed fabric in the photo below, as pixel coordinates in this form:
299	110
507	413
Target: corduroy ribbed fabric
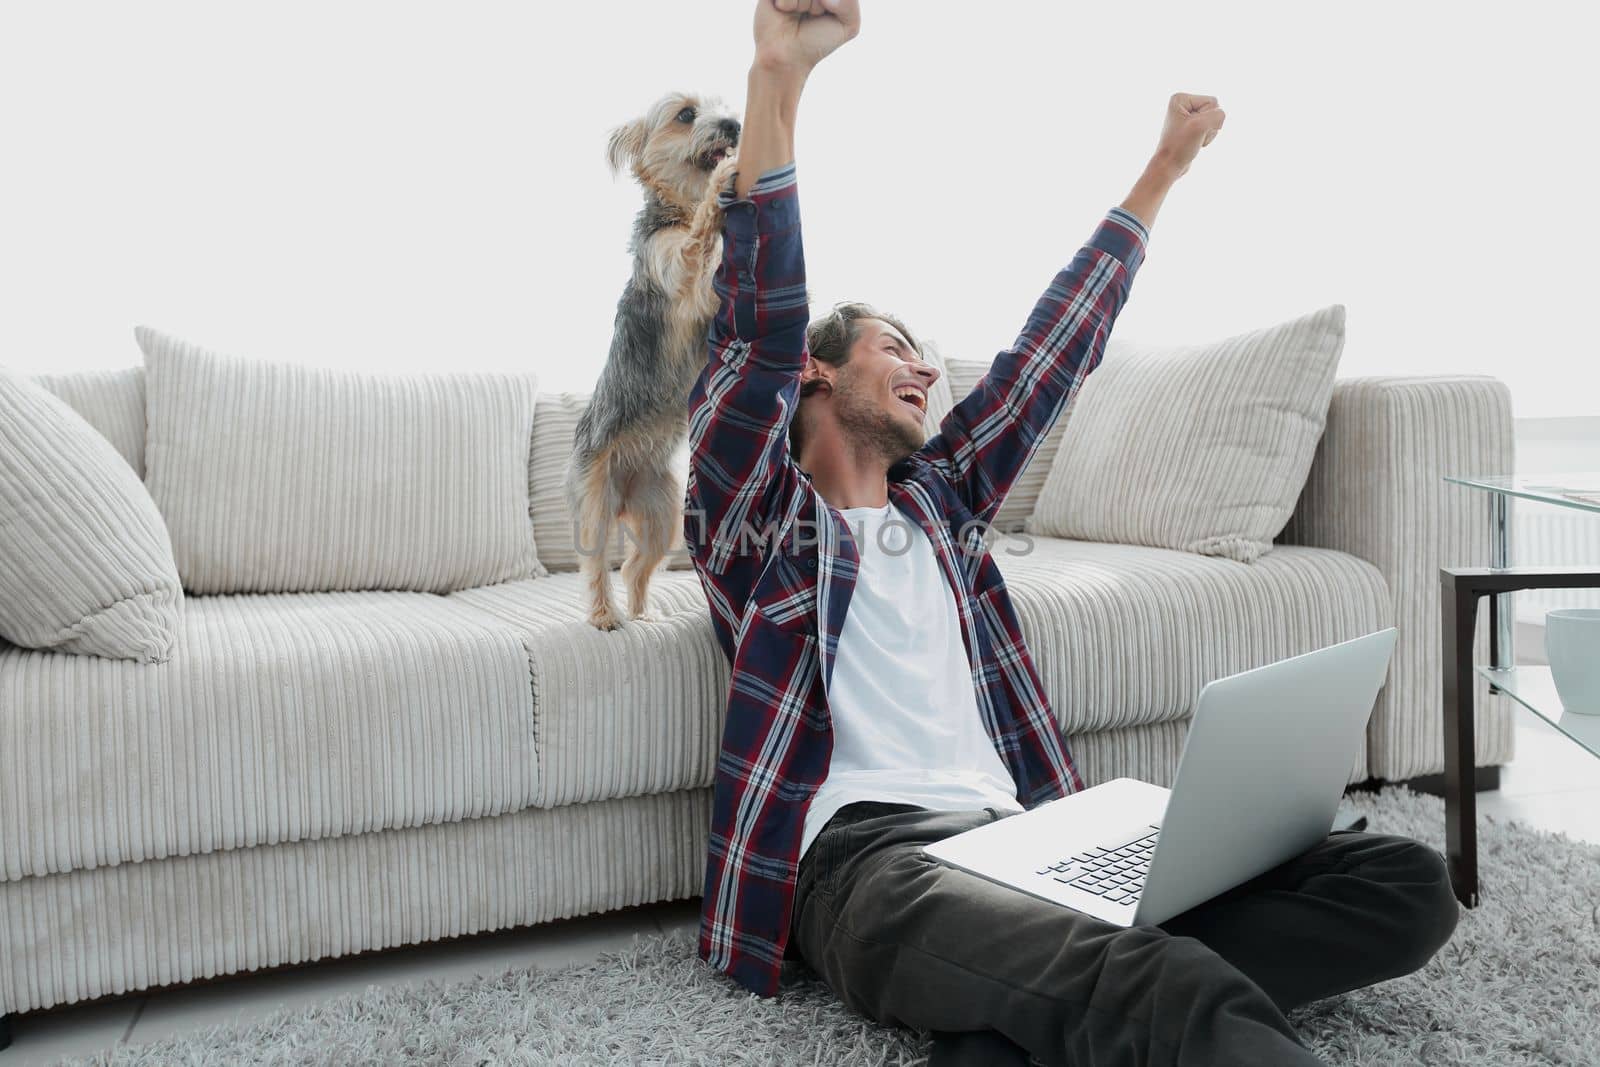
1123	634
86	563
554	426
1024	495
112	401
635	710
277	478
115	929
279	717
1377	489
1200	448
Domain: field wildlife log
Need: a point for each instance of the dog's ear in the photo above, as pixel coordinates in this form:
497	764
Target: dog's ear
627	144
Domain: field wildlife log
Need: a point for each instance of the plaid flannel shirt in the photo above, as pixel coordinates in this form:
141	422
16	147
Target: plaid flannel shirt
777	563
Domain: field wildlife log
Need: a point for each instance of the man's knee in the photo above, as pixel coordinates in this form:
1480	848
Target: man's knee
1420	879
1168	969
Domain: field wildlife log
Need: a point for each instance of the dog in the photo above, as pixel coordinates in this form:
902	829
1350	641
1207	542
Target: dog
682	152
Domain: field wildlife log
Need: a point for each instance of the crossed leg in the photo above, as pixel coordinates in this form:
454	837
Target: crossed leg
907	941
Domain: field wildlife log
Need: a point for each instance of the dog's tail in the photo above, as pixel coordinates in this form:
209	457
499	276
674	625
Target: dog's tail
593	501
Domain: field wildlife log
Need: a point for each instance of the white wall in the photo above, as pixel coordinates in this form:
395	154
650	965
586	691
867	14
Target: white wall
405	185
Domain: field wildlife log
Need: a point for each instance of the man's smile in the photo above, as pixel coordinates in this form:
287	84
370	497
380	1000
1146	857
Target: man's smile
914	395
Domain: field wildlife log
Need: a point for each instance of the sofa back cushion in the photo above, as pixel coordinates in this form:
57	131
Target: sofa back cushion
276	477
86	565
1201	448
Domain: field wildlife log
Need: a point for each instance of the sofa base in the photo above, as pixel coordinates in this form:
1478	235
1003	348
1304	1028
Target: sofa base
5	1032
108	931
1484	780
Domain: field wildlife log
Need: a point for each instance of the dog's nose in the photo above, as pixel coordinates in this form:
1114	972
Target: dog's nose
729	127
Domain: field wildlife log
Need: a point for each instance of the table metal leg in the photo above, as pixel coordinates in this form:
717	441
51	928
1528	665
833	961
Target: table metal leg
1459	616
1502	617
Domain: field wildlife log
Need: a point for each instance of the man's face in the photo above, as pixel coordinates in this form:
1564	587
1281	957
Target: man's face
881	392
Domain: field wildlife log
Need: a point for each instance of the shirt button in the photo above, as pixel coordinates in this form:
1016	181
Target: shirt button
811	564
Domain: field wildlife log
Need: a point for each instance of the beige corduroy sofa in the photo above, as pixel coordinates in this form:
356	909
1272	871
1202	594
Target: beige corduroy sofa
487	760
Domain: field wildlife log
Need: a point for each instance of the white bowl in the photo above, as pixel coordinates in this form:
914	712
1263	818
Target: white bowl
1572	642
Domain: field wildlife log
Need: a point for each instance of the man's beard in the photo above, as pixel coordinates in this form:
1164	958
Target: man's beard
873	431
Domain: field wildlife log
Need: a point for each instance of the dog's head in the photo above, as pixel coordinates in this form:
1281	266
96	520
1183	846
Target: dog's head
673	148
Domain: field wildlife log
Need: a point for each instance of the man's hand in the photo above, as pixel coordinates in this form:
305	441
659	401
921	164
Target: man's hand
1192	122
792	37
796	35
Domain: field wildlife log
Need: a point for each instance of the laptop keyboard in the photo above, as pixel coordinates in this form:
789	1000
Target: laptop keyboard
1114	873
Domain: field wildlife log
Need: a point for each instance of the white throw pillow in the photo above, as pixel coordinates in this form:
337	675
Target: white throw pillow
276	477
554	429
1201	448
112	401
86	565
964	375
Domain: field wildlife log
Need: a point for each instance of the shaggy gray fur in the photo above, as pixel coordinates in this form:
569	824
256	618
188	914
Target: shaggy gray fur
1518	984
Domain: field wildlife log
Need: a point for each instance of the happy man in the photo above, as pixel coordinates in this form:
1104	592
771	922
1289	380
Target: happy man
882	696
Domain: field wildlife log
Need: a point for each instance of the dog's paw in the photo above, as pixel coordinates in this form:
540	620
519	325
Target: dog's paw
721	173
646	615
708	213
605	617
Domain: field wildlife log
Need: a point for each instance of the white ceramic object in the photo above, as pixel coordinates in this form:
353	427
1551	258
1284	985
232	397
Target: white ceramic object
1572	642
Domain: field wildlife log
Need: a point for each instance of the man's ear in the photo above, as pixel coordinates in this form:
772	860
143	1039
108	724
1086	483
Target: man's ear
814	371
627	143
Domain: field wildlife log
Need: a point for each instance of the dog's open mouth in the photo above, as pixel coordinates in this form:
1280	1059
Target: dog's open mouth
709	160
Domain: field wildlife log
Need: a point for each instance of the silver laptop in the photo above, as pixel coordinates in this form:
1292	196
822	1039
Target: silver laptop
1267	758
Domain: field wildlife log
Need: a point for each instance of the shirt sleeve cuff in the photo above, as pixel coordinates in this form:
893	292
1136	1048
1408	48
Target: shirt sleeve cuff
773	205
1121	235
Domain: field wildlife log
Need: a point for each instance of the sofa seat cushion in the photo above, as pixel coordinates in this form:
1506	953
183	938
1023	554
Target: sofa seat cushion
279	717
623	712
1123	634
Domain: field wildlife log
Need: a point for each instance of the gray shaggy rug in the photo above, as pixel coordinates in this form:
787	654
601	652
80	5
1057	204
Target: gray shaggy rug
1518	984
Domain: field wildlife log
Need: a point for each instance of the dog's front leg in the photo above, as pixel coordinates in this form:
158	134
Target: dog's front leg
696	259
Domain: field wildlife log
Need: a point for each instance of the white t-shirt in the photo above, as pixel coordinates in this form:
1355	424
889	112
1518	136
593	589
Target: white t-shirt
906	726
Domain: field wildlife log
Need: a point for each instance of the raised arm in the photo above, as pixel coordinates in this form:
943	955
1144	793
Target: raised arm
986	441
792	37
742	402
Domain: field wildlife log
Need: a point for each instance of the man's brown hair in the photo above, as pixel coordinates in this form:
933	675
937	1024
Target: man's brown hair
829	340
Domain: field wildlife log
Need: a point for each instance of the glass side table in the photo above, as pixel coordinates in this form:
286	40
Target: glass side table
1461	590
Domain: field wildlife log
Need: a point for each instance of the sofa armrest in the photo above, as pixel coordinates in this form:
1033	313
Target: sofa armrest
1376	490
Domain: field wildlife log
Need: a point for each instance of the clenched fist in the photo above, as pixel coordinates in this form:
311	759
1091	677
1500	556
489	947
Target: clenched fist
799	34
1192	123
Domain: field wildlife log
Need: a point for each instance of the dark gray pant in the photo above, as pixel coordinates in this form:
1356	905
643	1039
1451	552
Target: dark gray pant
908	941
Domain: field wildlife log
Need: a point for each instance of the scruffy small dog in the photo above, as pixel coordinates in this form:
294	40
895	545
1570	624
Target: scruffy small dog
682	152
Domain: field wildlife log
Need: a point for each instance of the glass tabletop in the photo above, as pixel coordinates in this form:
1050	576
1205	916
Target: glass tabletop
1533	688
1569	490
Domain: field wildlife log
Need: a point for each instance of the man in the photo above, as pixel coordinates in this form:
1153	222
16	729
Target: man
881	694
